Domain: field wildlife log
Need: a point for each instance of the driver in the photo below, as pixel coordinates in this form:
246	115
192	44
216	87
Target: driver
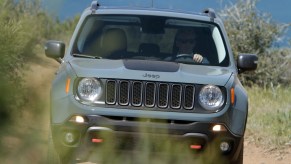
185	43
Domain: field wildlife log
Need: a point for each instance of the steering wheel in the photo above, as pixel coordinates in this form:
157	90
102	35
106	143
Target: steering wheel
183	56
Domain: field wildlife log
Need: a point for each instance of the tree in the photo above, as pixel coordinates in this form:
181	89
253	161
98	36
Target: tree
24	27
251	31
21	32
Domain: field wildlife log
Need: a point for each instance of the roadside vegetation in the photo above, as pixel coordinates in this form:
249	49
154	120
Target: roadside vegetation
269	118
251	31
24	115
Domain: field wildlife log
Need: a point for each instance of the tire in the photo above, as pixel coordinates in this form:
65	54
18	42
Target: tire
52	156
240	156
67	159
240	159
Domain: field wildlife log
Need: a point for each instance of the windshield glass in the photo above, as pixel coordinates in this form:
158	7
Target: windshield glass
151	38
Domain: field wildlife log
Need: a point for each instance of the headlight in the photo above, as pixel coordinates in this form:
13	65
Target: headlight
211	97
89	89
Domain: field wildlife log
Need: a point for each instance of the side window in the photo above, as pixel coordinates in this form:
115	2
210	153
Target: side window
219	44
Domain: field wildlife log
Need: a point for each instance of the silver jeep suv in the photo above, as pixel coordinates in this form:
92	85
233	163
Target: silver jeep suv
124	82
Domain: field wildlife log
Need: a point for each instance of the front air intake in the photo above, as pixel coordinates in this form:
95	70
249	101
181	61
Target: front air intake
150	95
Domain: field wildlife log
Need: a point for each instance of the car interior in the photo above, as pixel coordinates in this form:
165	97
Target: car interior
145	38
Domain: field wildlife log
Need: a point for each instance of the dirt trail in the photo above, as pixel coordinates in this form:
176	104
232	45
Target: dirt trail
41	75
254	154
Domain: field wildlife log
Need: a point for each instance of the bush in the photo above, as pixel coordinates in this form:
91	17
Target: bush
269	116
21	29
251	31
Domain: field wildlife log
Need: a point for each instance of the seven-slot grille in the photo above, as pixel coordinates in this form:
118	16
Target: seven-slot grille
150	94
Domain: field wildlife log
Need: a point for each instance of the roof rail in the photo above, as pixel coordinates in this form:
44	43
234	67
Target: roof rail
211	13
94	6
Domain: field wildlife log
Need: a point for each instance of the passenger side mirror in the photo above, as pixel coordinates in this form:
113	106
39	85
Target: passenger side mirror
247	62
55	49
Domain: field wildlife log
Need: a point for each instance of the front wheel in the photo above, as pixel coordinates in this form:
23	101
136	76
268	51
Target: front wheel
52	156
241	155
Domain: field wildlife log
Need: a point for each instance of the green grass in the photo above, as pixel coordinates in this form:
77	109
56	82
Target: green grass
269	121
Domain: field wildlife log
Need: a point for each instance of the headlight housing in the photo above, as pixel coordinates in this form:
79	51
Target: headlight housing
89	90
211	97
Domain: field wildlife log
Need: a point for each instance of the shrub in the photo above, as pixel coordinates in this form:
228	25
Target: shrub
251	31
269	116
21	29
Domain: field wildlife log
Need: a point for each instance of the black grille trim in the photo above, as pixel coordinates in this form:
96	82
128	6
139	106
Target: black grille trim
148	94
163	95
111	92
176	96
136	92
123	92
189	97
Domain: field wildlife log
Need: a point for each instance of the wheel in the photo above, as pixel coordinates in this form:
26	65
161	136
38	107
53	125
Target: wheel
240	156
52	156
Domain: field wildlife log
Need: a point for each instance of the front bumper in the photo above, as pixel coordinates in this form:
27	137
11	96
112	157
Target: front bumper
138	134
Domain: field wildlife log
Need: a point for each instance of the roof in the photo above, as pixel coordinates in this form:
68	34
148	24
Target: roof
149	5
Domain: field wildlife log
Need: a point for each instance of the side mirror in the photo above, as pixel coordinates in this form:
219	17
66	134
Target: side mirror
55	49
247	62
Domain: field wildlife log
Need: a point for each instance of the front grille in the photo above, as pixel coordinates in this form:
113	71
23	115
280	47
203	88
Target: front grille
159	95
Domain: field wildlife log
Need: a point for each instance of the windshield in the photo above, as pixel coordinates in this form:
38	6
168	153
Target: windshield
137	37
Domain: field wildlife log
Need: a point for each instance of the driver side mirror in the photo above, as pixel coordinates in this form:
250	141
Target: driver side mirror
55	49
247	62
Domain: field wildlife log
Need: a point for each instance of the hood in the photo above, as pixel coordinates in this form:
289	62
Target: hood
151	71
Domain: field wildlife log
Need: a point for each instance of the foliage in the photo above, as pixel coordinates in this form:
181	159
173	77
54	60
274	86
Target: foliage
64	30
274	68
251	31
21	29
269	116
24	27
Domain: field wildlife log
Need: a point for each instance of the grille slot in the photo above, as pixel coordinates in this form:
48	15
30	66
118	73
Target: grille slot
111	92
176	96
150	94
189	97
123	93
163	95
136	98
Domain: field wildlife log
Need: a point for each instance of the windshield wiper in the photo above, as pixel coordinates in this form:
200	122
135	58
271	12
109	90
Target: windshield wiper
87	56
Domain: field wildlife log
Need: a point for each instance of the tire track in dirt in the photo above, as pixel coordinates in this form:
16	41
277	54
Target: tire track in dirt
255	154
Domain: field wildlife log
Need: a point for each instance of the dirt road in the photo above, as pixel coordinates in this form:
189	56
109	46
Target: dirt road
254	154
41	75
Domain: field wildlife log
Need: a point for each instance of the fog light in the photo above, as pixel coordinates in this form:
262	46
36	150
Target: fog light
70	138
224	146
218	128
